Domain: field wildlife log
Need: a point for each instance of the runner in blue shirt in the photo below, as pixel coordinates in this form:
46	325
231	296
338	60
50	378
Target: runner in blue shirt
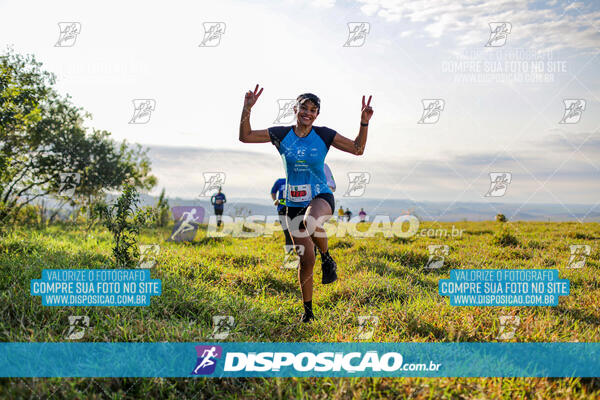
278	196
309	201
218	201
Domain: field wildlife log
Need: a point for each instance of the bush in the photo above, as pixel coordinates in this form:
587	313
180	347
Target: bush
161	211
505	238
124	219
500	218
163	217
28	215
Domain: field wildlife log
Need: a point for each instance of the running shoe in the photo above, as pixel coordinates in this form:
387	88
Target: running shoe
306	318
329	268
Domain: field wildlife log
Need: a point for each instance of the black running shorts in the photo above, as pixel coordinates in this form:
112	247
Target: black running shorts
293	212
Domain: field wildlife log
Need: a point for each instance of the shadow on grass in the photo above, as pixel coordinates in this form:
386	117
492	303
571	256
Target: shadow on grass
270	284
576	314
478	233
187	309
246	260
407	258
367	296
416	278
22	252
591	384
286	388
413	260
146	388
582	236
425	330
400	240
253	318
208	240
341	244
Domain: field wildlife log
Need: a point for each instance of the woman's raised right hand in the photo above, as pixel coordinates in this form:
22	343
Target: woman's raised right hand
251	97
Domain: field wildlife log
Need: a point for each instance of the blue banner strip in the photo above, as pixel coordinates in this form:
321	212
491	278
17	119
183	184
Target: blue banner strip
241	359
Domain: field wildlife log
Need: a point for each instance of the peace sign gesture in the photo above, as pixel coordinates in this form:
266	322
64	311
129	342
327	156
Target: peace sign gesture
251	97
367	111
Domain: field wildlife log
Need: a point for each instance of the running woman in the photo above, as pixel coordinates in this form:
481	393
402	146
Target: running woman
303	148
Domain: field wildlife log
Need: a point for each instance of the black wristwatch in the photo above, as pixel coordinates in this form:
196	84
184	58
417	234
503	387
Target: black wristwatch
361	124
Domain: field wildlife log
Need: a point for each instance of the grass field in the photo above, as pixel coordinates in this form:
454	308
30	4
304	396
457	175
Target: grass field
241	277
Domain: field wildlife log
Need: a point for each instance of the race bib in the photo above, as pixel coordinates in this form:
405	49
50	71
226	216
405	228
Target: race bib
299	193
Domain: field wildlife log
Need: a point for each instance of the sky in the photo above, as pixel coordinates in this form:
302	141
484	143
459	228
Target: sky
497	115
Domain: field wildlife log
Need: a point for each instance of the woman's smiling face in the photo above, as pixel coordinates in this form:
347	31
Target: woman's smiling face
306	112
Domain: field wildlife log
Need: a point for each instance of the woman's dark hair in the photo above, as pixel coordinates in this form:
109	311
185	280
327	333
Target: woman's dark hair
311	97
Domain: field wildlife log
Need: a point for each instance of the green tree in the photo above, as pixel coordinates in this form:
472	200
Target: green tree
162	210
42	135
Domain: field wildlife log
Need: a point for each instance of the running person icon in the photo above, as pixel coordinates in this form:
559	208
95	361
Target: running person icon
309	200
187	220
207	355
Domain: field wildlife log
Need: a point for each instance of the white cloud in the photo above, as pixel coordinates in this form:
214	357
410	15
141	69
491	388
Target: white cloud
369	8
574	5
322	3
550	28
